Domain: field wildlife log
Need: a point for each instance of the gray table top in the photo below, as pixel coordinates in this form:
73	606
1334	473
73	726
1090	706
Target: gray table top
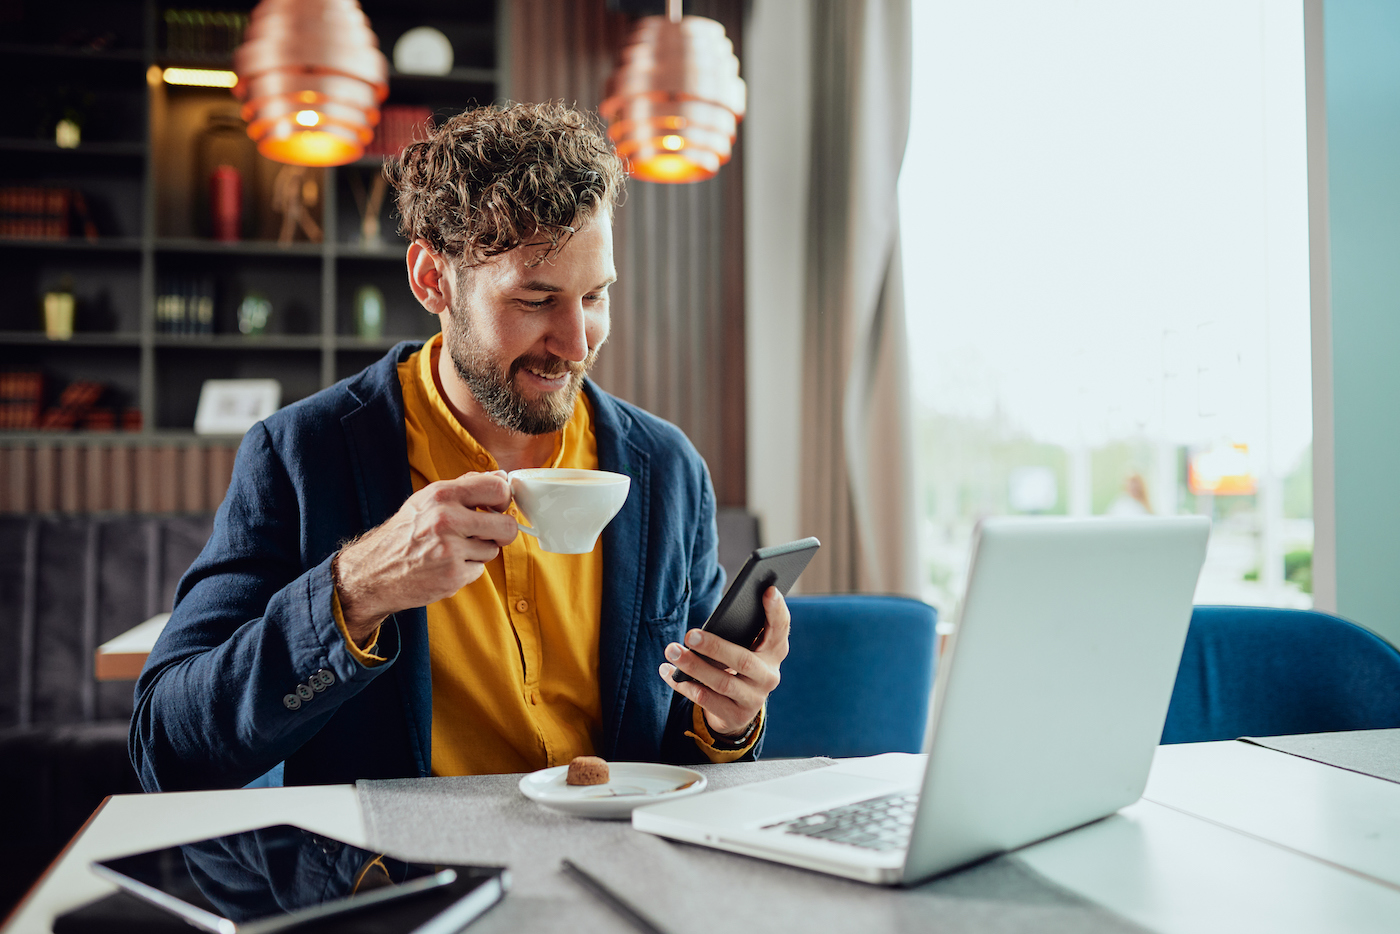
485	819
1370	752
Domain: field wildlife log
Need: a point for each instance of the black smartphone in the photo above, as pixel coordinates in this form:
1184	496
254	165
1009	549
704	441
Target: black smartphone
739	618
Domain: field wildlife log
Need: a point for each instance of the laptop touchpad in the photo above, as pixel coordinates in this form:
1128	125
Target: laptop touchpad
822	785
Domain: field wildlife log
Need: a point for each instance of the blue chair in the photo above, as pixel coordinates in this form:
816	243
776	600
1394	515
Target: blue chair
1257	671
856	681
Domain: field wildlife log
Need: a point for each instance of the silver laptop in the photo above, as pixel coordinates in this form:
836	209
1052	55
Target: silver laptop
1047	707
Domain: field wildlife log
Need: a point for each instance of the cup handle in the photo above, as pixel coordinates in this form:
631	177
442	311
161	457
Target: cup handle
526	529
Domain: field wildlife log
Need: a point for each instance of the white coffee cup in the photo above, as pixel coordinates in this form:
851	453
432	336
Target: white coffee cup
567	508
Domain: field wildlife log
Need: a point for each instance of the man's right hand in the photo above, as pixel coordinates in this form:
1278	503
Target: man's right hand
438	542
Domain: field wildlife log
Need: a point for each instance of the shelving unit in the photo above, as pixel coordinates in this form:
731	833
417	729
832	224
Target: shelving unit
136	169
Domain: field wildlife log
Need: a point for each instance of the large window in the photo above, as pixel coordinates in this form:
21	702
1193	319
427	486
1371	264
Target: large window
1105	258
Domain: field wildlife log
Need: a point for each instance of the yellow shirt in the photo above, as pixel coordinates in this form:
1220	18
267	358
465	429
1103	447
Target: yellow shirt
513	655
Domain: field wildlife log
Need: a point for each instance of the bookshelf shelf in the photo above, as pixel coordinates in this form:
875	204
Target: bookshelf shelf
140	172
240	341
384	254
121	149
74	244
39	339
374	344
61	52
239	247
85	438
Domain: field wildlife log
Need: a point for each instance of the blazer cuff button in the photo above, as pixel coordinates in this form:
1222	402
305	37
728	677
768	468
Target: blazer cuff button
291	702
321	680
304	692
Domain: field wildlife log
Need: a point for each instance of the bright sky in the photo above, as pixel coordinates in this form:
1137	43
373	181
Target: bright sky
1105	219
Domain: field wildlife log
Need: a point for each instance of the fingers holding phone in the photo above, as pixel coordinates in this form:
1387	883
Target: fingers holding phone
728	682
729	667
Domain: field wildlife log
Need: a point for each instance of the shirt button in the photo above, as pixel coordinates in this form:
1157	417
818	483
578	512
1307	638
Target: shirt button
291	702
522	605
534	697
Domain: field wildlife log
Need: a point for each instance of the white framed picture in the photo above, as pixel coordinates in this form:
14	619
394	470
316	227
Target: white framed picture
232	406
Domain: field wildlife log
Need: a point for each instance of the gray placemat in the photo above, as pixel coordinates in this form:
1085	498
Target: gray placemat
485	819
1370	752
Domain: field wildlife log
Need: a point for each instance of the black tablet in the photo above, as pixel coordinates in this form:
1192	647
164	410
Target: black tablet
276	877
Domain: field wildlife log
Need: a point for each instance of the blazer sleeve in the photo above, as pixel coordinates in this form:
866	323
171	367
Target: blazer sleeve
706	583
251	664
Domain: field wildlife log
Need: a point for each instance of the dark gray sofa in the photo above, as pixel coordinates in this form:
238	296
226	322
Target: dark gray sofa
68	584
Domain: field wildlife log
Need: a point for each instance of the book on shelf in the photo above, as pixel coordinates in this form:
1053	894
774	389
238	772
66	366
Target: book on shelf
21	400
22	406
74	404
203	35
185	305
32	212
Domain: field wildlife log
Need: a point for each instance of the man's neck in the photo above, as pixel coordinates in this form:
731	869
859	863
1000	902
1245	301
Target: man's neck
511	449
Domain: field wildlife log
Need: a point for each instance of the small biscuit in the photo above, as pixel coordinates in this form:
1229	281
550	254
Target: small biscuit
587	770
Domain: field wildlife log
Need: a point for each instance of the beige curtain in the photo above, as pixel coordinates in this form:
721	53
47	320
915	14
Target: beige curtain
857	492
677	344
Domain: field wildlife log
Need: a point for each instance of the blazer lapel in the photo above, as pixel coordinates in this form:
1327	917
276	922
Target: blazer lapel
624	562
374	434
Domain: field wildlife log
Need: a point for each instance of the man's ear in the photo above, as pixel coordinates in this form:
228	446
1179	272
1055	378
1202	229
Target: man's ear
430	277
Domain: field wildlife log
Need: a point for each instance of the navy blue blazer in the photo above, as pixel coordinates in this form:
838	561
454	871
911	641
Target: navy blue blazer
252	619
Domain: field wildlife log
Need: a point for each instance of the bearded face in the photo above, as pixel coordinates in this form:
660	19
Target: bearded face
495	383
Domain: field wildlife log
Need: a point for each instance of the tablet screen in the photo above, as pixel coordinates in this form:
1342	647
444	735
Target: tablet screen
267	879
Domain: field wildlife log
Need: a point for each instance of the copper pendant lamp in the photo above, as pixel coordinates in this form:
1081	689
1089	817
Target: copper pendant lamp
674	102
311	79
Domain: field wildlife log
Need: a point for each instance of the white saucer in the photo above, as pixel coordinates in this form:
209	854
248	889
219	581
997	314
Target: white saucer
630	785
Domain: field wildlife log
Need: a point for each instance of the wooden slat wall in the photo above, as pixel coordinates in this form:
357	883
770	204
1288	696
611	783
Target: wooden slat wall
74	477
677	344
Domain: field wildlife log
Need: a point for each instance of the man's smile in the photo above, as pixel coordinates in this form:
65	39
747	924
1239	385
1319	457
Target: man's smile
546	379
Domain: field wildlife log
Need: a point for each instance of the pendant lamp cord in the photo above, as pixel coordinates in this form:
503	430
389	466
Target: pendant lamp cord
673	10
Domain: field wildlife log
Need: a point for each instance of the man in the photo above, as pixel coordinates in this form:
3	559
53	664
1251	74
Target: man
365	607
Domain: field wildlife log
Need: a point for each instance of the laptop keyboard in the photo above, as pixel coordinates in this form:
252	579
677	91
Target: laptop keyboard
881	824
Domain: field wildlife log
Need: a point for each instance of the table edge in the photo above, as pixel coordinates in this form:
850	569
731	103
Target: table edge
48	870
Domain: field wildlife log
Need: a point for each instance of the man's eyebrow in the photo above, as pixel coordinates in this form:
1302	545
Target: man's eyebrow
539	285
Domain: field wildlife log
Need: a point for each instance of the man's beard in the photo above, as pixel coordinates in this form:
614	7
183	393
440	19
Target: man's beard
496	391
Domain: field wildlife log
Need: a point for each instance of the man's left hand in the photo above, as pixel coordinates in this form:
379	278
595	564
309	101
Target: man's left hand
733	695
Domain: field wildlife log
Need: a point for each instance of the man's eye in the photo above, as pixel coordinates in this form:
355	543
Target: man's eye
539	304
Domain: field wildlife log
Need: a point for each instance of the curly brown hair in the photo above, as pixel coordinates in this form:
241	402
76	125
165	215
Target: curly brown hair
493	178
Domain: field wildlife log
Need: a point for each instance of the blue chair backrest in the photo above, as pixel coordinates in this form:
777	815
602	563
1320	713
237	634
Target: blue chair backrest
1258	671
856	680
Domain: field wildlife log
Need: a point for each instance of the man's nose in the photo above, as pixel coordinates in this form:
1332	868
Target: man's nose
569	337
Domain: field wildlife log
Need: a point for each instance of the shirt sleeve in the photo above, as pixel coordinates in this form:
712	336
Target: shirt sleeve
366	656
705	740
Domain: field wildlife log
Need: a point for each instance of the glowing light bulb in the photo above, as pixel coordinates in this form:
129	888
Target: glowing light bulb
200	77
672	142
308	117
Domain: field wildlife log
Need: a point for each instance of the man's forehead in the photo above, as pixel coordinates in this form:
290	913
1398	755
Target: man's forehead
538	263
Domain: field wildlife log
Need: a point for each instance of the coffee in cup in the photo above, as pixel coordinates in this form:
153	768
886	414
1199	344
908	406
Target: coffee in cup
567	508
